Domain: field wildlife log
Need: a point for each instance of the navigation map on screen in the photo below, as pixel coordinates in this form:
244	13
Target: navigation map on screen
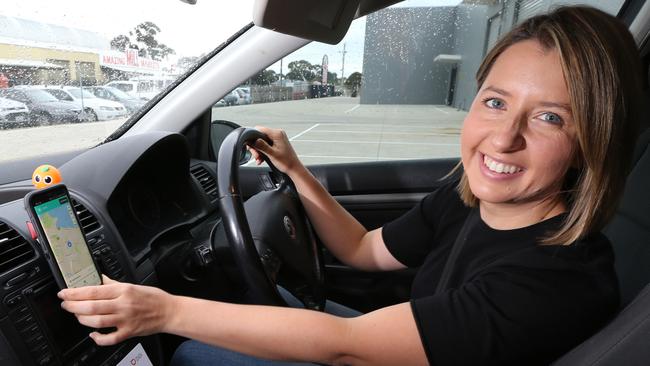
67	242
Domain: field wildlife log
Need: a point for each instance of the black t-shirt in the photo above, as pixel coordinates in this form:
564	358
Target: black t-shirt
509	300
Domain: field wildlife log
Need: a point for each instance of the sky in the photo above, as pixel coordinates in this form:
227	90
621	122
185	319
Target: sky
191	30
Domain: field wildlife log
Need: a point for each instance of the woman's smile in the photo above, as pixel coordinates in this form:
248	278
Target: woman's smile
497	169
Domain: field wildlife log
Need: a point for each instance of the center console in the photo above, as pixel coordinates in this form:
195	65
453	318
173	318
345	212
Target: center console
35	330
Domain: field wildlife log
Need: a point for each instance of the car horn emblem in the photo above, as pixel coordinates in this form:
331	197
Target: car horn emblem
289	227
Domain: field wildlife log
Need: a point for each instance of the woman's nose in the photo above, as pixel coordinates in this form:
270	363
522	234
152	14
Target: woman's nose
508	135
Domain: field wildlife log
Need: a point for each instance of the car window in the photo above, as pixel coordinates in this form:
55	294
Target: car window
87	44
59	94
77	93
123	87
40	96
398	86
117	93
14	95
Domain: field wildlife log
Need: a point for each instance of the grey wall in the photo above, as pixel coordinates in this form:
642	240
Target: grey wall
400	45
470	43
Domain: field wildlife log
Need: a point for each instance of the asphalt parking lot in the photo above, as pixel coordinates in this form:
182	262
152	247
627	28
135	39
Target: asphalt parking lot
339	129
325	130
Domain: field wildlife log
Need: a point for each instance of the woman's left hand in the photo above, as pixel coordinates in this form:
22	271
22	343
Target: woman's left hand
134	310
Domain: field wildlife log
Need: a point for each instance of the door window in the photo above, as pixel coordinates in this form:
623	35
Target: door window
398	86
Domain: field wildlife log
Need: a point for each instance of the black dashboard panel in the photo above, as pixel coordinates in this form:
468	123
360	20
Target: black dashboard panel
155	195
129	192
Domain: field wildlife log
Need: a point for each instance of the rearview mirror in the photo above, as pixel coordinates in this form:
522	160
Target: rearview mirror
218	132
316	20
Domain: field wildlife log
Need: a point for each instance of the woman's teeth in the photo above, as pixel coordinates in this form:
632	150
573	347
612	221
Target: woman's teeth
500	167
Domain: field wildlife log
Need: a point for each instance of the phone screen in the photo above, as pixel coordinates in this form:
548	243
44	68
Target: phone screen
67	242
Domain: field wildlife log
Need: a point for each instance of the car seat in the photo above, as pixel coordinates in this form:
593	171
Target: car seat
626	339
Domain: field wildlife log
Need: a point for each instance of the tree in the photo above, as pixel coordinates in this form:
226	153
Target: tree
353	81
264	77
121	43
302	70
145	42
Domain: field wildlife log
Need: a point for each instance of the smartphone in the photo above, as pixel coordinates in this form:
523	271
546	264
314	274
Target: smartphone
59	233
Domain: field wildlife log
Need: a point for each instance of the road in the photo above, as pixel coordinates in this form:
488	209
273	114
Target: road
322	130
340	129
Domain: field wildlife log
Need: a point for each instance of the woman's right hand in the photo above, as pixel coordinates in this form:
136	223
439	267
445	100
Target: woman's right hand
281	153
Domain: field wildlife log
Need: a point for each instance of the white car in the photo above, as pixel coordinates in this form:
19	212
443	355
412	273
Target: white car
142	89
12	112
95	109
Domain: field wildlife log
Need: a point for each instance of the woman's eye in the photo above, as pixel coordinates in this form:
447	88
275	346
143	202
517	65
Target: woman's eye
551	117
494	103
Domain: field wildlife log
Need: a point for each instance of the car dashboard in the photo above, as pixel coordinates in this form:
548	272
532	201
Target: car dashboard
129	195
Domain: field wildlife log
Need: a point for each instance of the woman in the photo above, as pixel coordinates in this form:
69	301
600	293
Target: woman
543	150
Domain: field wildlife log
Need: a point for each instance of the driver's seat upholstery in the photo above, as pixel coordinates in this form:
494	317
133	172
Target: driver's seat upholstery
626	339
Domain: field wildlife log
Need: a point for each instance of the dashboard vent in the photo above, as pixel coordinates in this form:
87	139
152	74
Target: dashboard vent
206	180
87	220
14	249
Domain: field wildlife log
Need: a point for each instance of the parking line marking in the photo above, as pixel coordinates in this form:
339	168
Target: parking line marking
304	132
374	158
394	133
424	125
352	109
440	110
379	142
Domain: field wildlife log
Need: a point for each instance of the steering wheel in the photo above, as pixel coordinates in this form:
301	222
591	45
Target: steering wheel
270	235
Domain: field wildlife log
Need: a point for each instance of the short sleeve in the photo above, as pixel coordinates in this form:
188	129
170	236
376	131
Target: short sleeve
410	237
511	314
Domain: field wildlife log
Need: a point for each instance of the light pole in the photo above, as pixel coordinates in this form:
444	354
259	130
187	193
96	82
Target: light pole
343	64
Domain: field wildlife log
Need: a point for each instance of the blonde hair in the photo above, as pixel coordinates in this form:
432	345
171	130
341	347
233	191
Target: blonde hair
602	70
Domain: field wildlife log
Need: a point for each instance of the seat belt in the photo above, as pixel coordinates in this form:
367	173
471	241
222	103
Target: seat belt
461	239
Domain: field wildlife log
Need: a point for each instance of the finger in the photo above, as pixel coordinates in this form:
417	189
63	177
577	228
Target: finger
262	146
98	321
108	339
254	153
89	307
109	291
107	280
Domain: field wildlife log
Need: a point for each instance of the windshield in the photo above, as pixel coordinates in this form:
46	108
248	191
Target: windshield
78	92
84	43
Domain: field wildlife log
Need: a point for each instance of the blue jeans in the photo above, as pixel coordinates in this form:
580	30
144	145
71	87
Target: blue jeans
194	353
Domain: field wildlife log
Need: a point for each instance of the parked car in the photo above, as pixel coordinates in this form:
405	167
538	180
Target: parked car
94	108
232	98
244	95
44	108
131	103
13	113
143	89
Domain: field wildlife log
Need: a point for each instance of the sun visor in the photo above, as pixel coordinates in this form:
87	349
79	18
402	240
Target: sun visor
317	20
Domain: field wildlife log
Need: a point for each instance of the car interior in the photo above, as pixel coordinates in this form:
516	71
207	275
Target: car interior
166	201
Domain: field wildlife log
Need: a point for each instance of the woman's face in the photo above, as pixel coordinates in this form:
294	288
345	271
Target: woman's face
518	138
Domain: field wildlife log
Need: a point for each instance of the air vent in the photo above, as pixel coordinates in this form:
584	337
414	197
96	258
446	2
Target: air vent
206	180
87	220
14	249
